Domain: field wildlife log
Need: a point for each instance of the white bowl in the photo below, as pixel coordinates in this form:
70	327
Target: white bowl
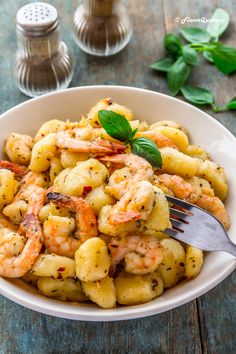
146	105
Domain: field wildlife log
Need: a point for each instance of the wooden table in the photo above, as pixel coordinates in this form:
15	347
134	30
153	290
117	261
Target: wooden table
206	325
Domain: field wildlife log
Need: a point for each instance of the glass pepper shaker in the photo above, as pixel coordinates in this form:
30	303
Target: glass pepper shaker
42	62
102	27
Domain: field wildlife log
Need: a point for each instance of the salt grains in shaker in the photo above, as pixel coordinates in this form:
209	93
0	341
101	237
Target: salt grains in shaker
42	63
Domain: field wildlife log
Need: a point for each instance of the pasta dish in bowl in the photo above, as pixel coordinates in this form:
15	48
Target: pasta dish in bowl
83	206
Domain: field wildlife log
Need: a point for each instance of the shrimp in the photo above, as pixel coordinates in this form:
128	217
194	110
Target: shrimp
19	170
180	188
30	179
137	169
192	194
214	206
14	265
66	139
18	206
137	203
57	230
142	254
159	139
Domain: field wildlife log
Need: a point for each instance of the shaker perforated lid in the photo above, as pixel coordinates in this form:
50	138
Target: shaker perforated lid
36	17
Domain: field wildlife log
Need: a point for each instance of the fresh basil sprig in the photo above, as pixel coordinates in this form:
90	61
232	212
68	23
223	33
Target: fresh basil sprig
202	96
182	57
177	75
147	149
115	125
197	95
119	128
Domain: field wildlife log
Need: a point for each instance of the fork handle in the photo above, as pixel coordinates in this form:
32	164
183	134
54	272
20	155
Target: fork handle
230	248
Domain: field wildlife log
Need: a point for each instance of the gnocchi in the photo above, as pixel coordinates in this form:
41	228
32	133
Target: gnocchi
98	198
51	265
92	260
193	261
19	147
107	104
177	163
7	187
52	126
178	137
138	289
86	173
43	152
215	175
62	289
102	292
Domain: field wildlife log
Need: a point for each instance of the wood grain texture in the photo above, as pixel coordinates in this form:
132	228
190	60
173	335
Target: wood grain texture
178	331
25	331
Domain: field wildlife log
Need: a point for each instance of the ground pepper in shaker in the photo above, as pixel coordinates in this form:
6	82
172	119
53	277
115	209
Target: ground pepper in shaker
42	62
102	27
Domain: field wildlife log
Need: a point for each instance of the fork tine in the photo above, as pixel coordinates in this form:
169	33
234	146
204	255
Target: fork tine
178	213
179	202
176	223
170	232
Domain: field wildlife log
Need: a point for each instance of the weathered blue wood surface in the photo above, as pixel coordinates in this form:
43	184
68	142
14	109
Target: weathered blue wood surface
203	326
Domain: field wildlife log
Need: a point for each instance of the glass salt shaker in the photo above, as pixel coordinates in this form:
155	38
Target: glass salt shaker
102	27
42	62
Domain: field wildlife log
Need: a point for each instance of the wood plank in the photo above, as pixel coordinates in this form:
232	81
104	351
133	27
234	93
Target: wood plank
217	311
25	331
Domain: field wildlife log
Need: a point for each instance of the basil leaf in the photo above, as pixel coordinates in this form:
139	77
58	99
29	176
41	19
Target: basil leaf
231	104
115	125
148	150
208	56
218	23
224	58
194	34
132	135
177	75
172	44
190	55
197	95
163	64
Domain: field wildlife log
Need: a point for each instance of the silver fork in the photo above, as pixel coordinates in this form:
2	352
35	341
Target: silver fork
198	228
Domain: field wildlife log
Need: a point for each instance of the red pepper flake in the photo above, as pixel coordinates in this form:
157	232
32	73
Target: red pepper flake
61	269
86	190
59	276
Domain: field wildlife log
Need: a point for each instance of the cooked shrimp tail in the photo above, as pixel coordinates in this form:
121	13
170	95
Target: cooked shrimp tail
15	266
85	217
67	141
136	203
19	170
184	190
124	217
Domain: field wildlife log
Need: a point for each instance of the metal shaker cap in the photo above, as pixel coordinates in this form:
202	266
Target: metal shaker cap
37	19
